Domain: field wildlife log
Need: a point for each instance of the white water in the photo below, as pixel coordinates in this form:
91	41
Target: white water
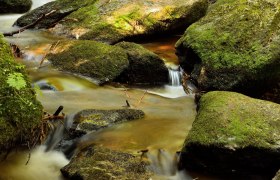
174	77
42	165
164	165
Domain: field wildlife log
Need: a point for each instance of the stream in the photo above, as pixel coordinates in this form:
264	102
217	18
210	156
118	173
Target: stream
169	112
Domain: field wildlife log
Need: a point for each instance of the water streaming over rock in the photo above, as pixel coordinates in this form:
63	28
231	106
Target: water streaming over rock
175	77
164	165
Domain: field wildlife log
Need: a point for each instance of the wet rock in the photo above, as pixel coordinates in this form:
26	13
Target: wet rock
233	133
234	47
15	6
62	8
93	120
20	112
145	67
116	20
101	163
99	61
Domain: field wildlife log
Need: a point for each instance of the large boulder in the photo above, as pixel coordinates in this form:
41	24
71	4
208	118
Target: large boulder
145	67
93	120
236	46
15	6
101	163
99	61
114	20
233	133
20	112
55	11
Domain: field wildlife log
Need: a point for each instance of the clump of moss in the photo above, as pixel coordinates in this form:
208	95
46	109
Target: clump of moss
89	58
20	112
229	119
96	162
237	44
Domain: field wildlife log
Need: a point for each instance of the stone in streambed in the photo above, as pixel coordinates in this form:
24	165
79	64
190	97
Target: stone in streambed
235	47
145	67
97	60
124	62
233	133
101	163
20	112
93	120
15	6
114	20
59	8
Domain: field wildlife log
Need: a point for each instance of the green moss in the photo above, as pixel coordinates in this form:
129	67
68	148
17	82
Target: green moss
235	120
236	34
97	60
100	163
19	110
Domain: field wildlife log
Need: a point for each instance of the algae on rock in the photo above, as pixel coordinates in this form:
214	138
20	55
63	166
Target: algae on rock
95	162
20	112
116	20
234	132
234	47
97	60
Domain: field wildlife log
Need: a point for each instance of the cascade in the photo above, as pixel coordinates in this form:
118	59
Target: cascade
175	77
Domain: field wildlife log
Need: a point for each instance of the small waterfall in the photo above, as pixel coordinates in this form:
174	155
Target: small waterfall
164	165
175	77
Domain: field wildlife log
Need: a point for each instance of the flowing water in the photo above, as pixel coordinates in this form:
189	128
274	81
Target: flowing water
169	112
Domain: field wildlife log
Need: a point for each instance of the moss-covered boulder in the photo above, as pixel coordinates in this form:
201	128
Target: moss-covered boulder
15	6
93	120
99	61
58	10
101	163
20	112
145	67
233	133
236	46
115	20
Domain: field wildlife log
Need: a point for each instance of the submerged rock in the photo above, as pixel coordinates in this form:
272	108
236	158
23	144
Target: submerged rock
93	120
20	112
145	67
99	61
115	20
233	133
15	6
236	46
101	163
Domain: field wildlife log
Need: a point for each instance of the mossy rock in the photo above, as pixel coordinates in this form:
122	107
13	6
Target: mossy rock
234	133
145	67
59	9
100	163
20	112
236	46
15	6
115	20
93	120
99	61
